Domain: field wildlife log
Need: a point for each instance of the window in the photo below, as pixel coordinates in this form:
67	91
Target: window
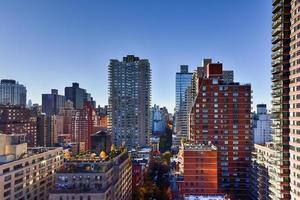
7	178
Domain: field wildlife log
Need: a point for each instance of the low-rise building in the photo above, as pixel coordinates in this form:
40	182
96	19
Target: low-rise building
265	179
89	177
26	173
198	168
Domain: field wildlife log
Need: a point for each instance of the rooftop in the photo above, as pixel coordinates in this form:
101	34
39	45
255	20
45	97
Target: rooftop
198	146
5	159
91	163
204	197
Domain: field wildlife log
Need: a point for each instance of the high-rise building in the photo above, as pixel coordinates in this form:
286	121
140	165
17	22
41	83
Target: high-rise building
262	125
11	92
82	125
101	119
67	112
100	177
274	158
294	109
49	128
26	173
160	119
183	84
15	119
78	96
29	104
221	114
130	101
42	130
51	103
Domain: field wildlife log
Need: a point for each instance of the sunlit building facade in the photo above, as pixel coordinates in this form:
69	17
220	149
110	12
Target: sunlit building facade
13	93
129	100
183	85
221	114
26	173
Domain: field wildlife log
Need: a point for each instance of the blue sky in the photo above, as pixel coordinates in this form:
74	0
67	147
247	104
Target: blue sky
50	44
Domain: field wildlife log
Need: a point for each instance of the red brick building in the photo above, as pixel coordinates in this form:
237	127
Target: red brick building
82	125
138	172
15	119
199	167
221	114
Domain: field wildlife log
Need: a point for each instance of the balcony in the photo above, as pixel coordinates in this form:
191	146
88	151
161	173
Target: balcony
276	46
276	23
276	86
277	54
274	2
275	63
276	38
276	16
277	30
276	7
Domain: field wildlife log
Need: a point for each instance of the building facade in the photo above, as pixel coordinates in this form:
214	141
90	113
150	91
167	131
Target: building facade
278	165
82	125
182	109
221	114
26	173
11	92
199	169
160	119
51	103
67	112
265	182
49	128
78	96
101	141
94	179
130	101
262	125
294	100
16	119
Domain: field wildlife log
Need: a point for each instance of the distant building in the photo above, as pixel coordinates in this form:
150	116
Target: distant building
67	112
51	103
16	119
82	125
78	96
104	178
49	128
101	141
102	111
35	110
262	125
130	101
221	114
26	173
29	104
160	119
183	84
11	92
138	173
199	169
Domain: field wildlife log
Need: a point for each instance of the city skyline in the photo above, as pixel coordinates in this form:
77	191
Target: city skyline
78	42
